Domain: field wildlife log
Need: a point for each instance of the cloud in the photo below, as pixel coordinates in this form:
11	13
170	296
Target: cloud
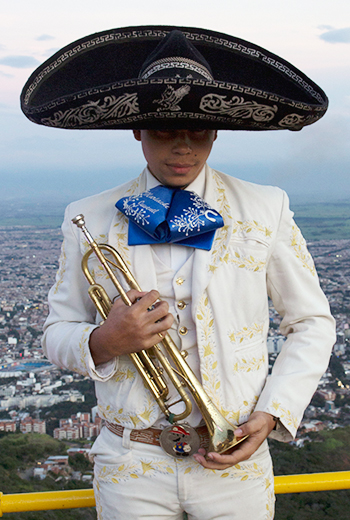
336	35
19	62
4	75
44	38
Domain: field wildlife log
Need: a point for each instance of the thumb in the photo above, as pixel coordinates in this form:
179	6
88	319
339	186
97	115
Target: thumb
242	430
246	428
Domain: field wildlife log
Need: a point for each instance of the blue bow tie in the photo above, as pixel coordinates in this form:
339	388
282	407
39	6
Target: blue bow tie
165	214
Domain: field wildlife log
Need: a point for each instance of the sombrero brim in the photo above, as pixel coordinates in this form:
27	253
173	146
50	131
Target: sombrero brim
94	83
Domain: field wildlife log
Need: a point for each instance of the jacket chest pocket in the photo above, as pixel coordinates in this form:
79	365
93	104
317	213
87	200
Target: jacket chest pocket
247	253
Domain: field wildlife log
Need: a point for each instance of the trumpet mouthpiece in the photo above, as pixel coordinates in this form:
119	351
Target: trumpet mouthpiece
79	221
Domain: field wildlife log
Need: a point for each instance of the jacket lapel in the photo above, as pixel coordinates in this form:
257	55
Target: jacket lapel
205	263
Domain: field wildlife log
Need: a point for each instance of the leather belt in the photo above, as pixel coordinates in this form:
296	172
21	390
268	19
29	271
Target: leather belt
151	435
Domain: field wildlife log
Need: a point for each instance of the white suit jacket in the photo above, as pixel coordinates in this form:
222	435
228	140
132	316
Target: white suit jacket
259	252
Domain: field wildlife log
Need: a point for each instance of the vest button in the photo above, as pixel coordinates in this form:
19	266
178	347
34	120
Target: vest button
179	281
183	331
181	305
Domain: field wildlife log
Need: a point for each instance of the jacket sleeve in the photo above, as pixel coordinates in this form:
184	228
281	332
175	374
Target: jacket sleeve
72	315
309	328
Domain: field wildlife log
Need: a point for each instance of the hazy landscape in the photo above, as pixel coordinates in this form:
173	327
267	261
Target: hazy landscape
318	221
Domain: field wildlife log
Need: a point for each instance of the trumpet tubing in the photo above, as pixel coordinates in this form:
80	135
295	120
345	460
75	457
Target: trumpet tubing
220	430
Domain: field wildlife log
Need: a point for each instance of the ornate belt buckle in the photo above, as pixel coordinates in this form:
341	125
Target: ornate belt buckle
179	440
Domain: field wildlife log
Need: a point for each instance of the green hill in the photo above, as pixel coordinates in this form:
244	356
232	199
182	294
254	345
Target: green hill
19	452
328	451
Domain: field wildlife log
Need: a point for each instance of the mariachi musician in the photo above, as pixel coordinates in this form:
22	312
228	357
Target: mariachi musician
207	250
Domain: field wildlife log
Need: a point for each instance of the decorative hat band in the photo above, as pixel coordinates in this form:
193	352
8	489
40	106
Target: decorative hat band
177	63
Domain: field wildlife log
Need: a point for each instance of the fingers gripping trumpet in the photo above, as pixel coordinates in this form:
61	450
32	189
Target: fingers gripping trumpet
221	432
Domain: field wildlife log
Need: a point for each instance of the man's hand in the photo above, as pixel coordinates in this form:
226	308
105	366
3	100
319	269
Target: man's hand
130	328
258	427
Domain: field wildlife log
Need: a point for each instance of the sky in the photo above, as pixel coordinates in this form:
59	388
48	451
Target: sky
37	162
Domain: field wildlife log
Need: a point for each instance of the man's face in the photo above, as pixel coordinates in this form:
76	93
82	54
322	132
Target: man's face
176	157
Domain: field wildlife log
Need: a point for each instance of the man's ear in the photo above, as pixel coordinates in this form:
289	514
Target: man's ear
215	135
137	134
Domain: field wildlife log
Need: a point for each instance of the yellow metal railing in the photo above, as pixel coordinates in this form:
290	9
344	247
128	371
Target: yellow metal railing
85	497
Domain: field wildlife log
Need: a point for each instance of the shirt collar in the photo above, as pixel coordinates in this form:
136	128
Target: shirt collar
198	185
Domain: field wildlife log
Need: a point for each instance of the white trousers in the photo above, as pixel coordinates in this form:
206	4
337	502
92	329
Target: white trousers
135	481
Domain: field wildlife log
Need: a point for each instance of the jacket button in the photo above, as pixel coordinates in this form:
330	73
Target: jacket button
183	331
181	304
179	281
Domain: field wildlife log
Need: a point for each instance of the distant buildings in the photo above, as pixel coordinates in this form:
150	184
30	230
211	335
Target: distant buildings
78	427
29	425
7	425
275	344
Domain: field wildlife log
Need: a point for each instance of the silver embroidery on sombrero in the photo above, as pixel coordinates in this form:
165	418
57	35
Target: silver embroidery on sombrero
92	111
171	97
237	107
291	120
177	63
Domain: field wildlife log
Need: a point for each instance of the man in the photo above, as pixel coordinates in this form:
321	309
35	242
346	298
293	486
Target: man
213	283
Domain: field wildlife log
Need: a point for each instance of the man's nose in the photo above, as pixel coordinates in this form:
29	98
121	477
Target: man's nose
182	142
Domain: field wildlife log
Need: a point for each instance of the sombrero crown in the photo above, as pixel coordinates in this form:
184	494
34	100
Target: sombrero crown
152	77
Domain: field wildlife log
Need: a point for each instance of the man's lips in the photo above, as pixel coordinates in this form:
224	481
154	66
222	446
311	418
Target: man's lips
180	167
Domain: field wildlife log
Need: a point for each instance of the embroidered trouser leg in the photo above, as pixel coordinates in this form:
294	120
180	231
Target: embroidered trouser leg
142	482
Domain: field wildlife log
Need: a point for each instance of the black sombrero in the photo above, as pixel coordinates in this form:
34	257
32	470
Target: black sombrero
175	77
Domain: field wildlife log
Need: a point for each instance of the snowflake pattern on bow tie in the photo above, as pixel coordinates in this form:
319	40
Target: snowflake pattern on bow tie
192	217
133	209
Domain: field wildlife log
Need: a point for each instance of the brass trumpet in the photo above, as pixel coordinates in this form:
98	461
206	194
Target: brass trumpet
220	430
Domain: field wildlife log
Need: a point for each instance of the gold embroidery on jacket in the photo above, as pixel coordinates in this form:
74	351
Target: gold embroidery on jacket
248	364
123	374
247	226
221	236
128	419
244	262
83	369
291	419
205	325
299	245
246	333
